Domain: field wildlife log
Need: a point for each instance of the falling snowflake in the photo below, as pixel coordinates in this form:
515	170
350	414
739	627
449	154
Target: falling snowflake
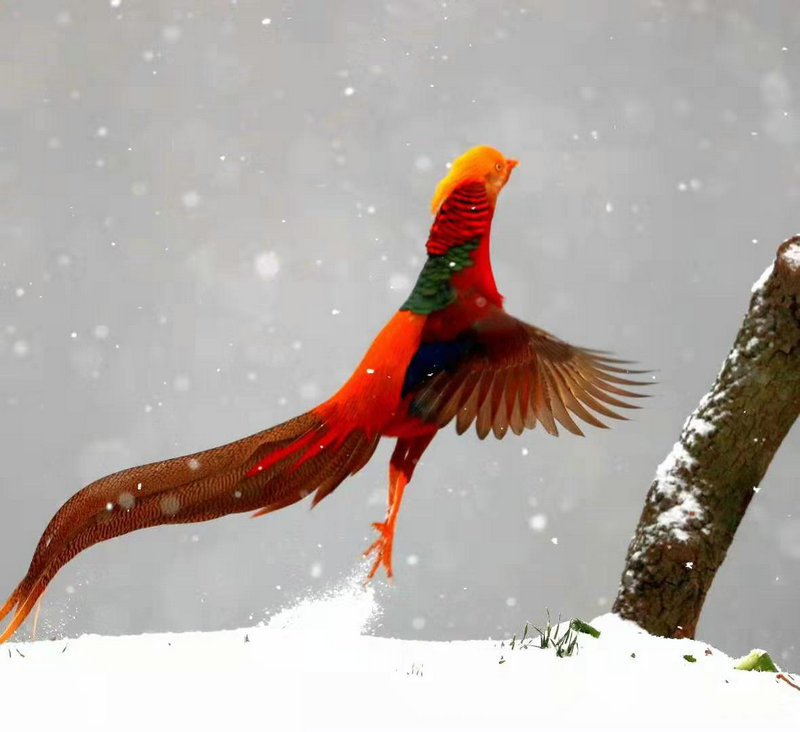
190	199
267	265
20	348
171	33
423	164
538	522
399	281
181	383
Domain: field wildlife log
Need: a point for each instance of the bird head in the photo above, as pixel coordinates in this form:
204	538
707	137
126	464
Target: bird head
482	163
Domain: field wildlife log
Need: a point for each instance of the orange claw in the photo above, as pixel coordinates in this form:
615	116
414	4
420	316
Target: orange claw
383	547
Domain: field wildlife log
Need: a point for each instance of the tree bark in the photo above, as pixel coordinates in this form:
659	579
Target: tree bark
702	489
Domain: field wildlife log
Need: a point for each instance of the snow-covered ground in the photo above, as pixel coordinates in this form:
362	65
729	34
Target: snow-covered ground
313	667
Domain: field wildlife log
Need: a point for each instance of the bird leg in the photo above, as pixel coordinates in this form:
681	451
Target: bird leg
401	467
382	546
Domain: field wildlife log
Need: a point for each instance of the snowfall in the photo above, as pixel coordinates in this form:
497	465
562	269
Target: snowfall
315	666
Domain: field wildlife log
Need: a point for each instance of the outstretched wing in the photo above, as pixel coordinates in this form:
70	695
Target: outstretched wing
502	373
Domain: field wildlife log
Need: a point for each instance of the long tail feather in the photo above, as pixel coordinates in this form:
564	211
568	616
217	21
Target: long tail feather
263	472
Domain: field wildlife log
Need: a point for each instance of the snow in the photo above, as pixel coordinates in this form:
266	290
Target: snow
538	522
670	483
20	348
761	281
190	199
313	667
791	255
171	33
669	473
267	265
697	425
400	282
750	346
675	518
678	457
423	164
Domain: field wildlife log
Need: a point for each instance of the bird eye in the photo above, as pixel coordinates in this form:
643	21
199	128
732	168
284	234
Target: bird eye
498	167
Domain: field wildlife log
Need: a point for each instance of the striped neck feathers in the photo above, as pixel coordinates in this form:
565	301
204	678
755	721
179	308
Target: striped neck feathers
465	215
458	241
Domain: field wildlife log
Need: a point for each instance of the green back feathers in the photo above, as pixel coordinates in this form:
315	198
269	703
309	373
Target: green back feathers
434	290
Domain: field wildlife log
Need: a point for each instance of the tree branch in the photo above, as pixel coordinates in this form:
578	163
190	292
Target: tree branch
702	489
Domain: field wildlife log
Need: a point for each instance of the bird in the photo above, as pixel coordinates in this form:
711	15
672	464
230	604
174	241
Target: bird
451	352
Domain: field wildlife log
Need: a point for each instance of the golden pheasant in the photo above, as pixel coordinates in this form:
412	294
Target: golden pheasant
451	352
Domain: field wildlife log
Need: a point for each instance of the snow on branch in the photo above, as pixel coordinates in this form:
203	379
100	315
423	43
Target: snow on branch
701	490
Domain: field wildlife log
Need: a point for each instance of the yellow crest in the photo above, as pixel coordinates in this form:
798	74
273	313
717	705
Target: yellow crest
474	164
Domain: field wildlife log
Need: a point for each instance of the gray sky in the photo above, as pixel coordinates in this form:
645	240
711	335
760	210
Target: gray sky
207	211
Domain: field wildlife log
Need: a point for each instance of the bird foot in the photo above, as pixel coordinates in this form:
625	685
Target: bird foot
382	547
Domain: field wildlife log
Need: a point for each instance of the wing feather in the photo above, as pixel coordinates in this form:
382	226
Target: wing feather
516	418
518	375
451	406
483	425
570	393
557	401
499	410
469	407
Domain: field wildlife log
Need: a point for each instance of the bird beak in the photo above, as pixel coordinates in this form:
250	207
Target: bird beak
512	164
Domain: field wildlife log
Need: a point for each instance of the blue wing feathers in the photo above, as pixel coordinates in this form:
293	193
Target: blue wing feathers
436	356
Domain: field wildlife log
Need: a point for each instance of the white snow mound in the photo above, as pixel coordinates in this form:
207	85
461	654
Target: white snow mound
312	668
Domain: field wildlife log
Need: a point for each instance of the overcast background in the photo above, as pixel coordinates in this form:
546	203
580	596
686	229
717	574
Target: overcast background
207	211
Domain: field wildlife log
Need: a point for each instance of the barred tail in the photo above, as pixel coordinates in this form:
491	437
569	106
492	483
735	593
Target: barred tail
264	472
